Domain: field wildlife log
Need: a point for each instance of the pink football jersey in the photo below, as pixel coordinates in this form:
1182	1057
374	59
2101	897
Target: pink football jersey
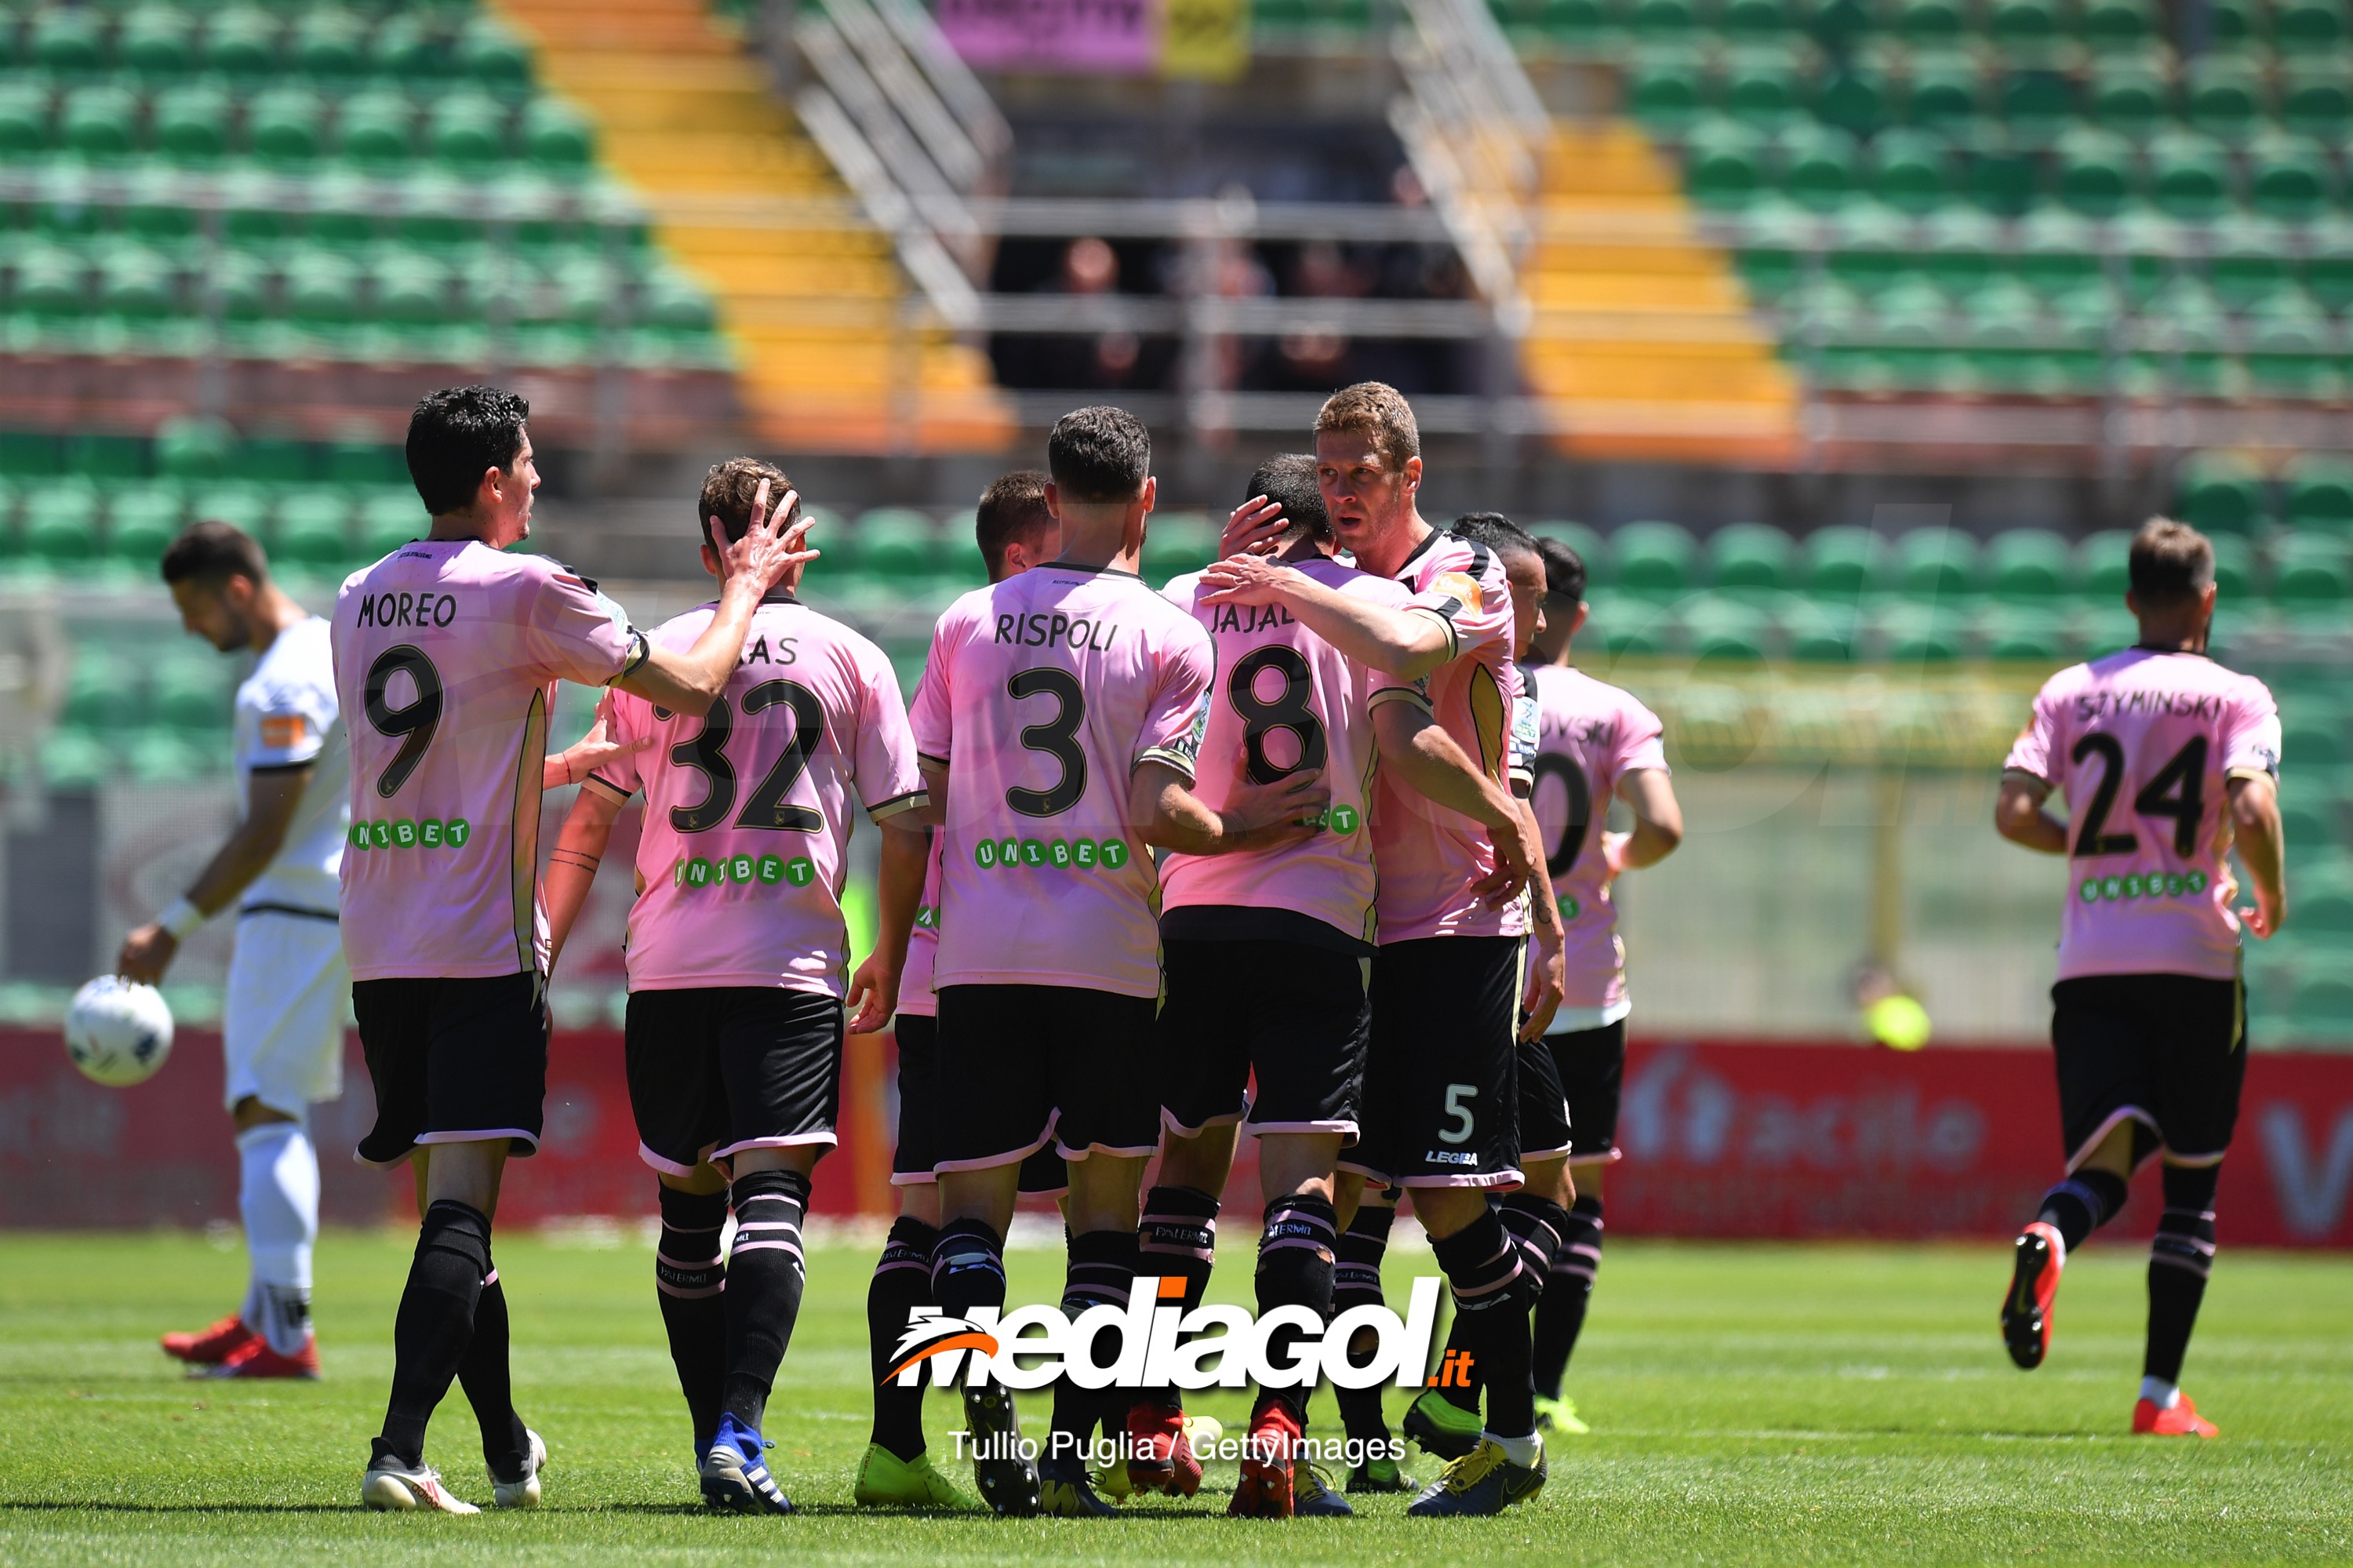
742	856
1042	695
446	655
1286	699
1589	736
1431	857
2143	745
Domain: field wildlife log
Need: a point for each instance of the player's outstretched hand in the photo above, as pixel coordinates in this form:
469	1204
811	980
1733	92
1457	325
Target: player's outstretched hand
1548	987
2264	917
874	993
587	754
1253	527
1246	579
768	553
1270	816
146	953
1516	856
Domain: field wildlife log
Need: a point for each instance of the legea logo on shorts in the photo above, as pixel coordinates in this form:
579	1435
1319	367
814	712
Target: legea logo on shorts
1138	1345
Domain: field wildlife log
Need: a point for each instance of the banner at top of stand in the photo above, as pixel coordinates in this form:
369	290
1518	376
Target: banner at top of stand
1118	36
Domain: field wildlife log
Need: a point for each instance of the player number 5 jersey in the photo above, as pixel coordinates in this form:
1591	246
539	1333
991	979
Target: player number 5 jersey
742	855
2143	744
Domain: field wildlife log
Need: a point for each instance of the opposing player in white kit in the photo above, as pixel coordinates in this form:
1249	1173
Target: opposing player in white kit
283	1030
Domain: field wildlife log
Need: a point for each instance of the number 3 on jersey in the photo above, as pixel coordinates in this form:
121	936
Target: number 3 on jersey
1057	737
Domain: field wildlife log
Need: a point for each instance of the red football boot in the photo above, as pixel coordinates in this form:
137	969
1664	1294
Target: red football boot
256	1358
2026	1309
1265	1489
2182	1421
210	1347
1160	1454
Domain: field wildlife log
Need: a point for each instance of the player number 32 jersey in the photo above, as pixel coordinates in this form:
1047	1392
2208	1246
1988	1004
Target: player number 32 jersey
2143	744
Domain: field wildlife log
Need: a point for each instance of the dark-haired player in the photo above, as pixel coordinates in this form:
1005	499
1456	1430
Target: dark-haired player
2167	762
446	655
1058	719
283	1026
736	953
1015	532
1588	743
1441	1096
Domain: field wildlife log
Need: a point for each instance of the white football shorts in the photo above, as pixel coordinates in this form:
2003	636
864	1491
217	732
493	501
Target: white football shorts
282	1029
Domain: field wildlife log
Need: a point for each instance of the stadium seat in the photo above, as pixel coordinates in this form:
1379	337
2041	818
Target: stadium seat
2029	564
2299	25
388	520
1600	561
466	128
1175	543
2289	177
1749	556
377	126
2314	741
1755	19
558	136
1841	561
2020	635
73	760
488	51
98	121
23	118
69	40
2223	98
313	530
1935	563
894	543
2317	99
103	690
136	281
157	41
2023	25
330	42
192	447
241	41
192	122
240	506
1719	630
2233	25
2309	573
403	45
2323	1008
2129	98
412	288
322	287
2095	170
1818	165
2189	174
1726	163
362	463
2117	24
58	523
1919	634
2319	493
1662	85
1655	557
162	756
2234	567
1930	22
1853	98
2005	174
139	521
1944	88
1911	170
2101	566
2222	493
192	691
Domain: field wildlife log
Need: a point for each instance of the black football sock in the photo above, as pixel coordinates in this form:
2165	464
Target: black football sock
1482	1263
901	1282
1356	1282
764	1275
1102	1270
2082	1205
1176	1237
2180	1257
1560	1313
435	1323
1536	1224
690	1281
490	1384
967	1267
1295	1260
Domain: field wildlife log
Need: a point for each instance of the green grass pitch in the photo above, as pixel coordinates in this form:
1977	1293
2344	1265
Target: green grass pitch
1750	1404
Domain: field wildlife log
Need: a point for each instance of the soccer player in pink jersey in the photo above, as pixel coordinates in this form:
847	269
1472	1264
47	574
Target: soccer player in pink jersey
737	951
447	654
1440	1093
1058	720
1584	742
1015	532
2167	762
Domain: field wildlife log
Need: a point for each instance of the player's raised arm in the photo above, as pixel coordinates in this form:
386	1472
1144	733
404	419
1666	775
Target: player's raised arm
874	988
1425	759
1658	822
1169	815
2256	836
1408	643
691	681
571	865
2019	814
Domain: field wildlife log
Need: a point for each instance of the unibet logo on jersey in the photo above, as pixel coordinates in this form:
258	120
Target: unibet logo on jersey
1136	1346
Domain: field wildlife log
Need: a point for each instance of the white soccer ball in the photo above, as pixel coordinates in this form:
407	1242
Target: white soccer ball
119	1032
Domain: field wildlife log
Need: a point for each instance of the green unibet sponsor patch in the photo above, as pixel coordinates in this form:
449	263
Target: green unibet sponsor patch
1057	854
800	873
428	833
359	835
2090	892
380	834
1084	854
699	872
404	834
2132	884
1033	853
984	853
927	917
1343	818
1008	852
772	868
1568	906
457	831
2195	882
740	869
2112	887
1114	852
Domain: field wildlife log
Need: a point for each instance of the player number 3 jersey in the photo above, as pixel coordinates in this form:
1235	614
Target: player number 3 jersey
741	858
2143	744
1042	695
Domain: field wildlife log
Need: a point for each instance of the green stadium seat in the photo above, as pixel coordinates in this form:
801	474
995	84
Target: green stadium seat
1930	22
2129	98
2117	24
2315	740
191	122
411	287
1944	88
2233	25
274	459
1818	165
388	520
1818	636
2323	1008
1175	542
490	52
2005	172
1662	85
2058	252
466	128
2319	492
1841	561
2234	567
322	287
102	690
1755	19
136	281
2022	23
98	121
2317	99
242	41
69	40
1726	163
2189	174
2290	346
329	41
894	543
1920	634
2309	572
1600	561
157	41
23	118
1872	251
161	756
1750	555
2246	267
140	521
1723	631
2300	25
1912	170
30	452
1655	557
242	282
285	124
2328	264
104	458
1836	24
1854	98
377	126
192	447
2023	634
2222	493
313	530
51	280
2224	98
2095	170
1961	241
1935	563
360	461
239	505
2029	564
558	136
2103	565
405	45
2289	177
73	760
2306	826
58	521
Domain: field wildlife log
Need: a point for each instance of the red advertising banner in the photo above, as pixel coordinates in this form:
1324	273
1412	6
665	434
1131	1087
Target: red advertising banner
1721	1139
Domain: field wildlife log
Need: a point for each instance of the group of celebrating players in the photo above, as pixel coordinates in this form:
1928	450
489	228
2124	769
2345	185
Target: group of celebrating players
1261	849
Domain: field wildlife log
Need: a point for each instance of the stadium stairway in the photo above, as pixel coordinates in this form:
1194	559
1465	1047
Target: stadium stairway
813	312
1649	350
